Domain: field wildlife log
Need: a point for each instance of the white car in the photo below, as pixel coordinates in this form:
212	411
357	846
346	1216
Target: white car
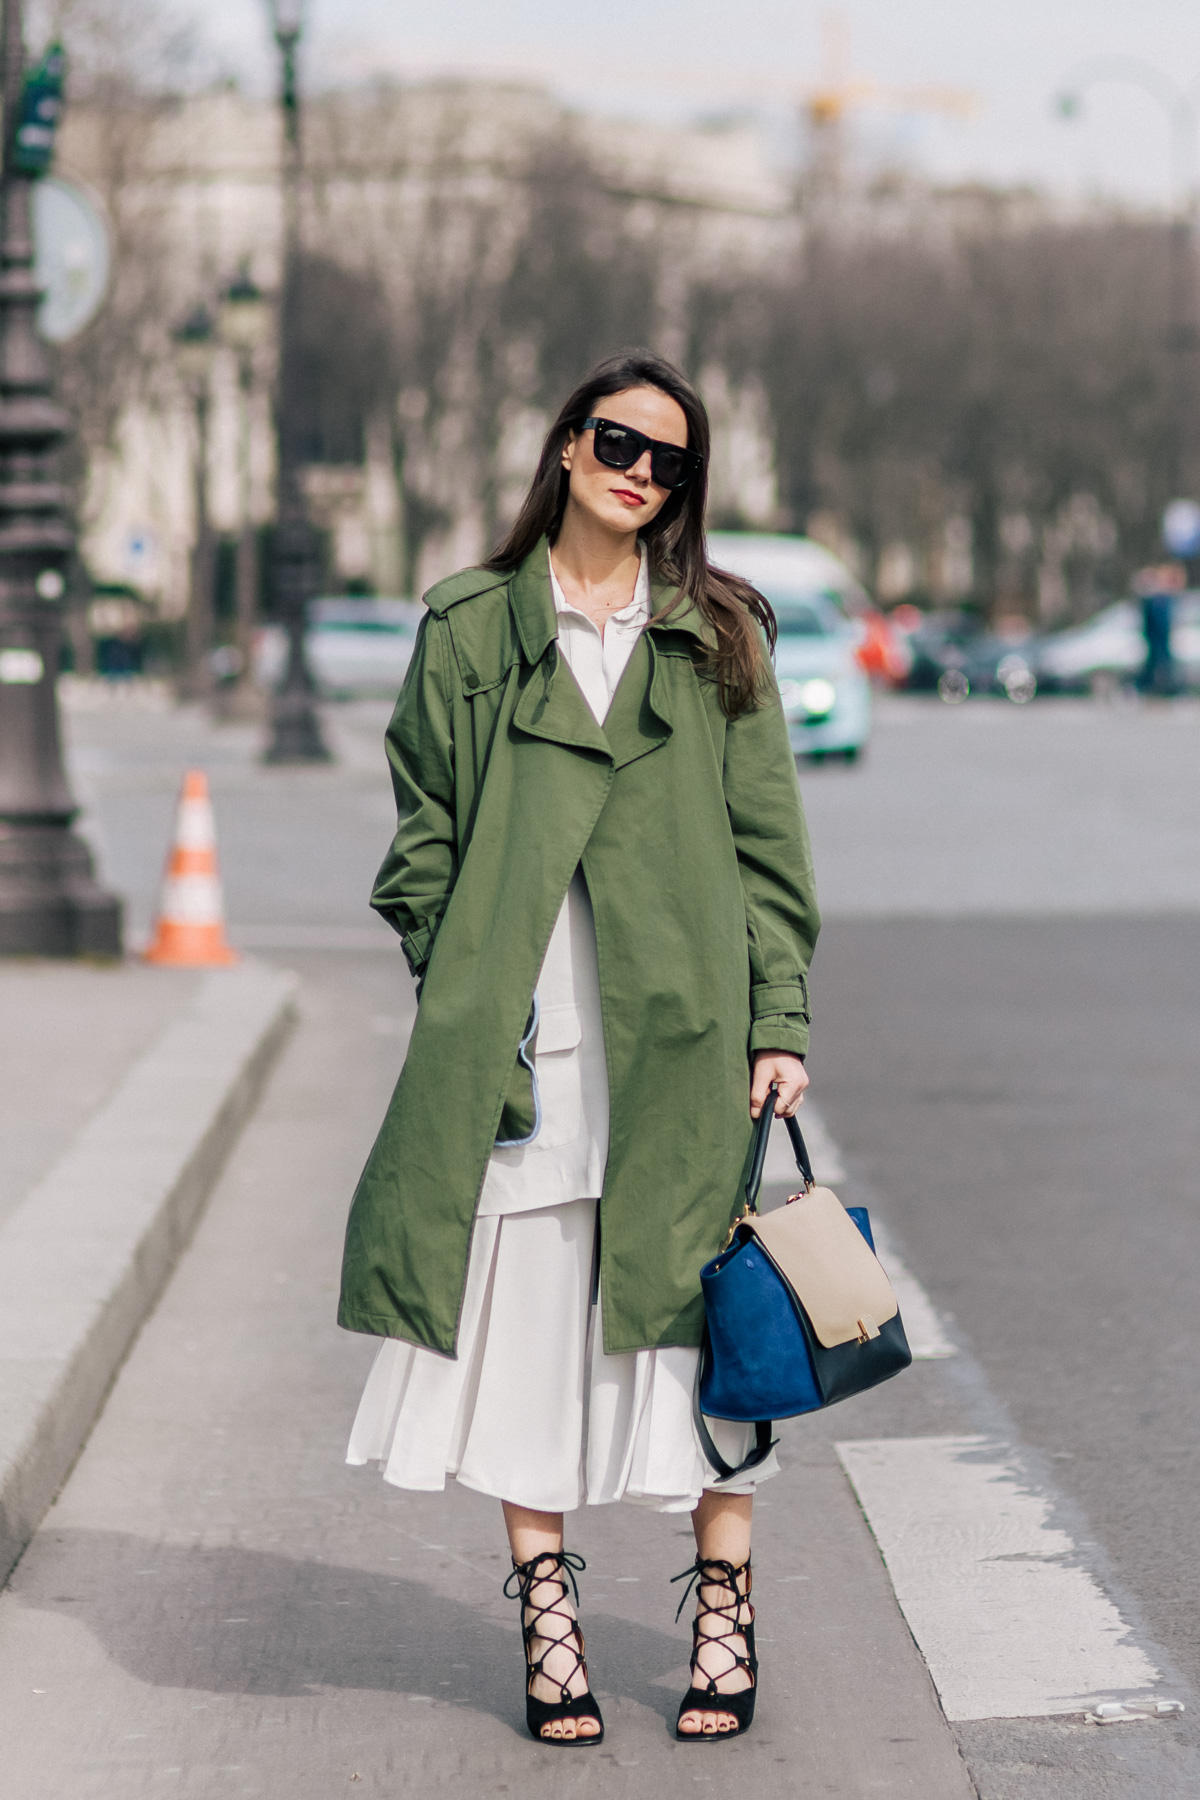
826	696
355	648
1111	645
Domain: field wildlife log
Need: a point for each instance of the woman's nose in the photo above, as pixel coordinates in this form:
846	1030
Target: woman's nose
641	470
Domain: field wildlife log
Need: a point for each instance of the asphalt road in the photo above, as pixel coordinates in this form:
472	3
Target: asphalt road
1025	1094
1006	1051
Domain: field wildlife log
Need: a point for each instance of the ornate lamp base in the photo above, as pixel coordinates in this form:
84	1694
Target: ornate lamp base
50	902
295	731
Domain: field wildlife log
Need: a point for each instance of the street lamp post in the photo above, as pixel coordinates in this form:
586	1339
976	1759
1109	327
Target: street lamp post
50	902
194	346
1178	106
244	326
295	726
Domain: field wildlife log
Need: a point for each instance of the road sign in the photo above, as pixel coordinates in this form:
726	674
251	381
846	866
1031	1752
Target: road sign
72	257
32	147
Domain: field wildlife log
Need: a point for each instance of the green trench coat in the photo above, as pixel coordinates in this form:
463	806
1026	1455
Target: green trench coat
691	835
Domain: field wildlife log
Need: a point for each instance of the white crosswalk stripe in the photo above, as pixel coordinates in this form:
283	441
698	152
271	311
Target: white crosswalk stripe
923	1328
1009	1624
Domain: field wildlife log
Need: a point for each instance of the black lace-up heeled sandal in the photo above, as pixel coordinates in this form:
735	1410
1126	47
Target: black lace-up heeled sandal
706	1572
557	1566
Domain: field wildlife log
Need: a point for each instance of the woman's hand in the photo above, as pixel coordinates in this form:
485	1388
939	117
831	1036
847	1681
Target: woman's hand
788	1074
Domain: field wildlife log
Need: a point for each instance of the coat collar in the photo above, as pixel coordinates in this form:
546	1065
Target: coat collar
687	616
552	706
532	605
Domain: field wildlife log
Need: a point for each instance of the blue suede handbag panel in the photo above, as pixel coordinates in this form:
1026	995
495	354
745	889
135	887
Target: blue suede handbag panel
761	1363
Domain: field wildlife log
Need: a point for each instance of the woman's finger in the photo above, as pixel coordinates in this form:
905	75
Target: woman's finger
760	1086
789	1095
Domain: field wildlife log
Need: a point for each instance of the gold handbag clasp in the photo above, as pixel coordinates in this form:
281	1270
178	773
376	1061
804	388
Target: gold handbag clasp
741	1218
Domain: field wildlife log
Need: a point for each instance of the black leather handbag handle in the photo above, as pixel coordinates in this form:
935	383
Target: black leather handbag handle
762	1134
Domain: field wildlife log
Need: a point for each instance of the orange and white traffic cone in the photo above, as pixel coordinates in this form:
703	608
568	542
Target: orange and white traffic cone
190	932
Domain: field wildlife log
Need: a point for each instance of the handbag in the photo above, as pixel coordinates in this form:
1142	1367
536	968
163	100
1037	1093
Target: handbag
798	1312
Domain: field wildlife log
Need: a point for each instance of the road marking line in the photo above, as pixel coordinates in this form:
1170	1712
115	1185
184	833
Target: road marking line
926	1337
923	1328
1009	1625
823	1153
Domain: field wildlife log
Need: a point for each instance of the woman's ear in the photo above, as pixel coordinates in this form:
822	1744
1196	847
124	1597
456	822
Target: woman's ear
568	451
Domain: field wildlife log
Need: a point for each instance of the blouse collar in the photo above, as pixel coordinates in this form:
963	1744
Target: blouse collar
635	613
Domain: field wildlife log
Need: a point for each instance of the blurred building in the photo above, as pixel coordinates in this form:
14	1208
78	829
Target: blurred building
468	247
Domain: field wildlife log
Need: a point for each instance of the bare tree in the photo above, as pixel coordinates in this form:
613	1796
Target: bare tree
995	377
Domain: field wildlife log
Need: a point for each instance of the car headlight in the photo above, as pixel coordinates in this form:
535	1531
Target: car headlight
814	699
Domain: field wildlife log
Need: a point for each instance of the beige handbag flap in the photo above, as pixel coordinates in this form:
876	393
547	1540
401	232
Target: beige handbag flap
818	1248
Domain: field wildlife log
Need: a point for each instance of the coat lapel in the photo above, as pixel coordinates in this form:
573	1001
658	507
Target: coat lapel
551	705
639	718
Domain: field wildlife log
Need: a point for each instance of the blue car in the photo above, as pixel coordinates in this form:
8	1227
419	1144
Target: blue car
826	696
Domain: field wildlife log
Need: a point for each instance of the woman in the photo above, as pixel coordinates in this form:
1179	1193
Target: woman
602	884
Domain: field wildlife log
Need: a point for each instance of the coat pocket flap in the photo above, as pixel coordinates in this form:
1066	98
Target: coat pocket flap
559	1028
828	1264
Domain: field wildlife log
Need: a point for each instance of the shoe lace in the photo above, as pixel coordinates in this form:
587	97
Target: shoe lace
561	1571
699	1577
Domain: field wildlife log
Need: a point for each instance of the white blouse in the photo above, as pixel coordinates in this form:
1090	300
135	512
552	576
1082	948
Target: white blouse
566	1160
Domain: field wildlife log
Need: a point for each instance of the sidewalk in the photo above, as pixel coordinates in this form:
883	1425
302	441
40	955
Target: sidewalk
69	1035
122	1092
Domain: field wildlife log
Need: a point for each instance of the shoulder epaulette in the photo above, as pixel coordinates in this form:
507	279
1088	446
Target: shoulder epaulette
463	586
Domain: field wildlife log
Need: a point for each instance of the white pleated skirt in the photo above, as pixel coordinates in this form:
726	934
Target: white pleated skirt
532	1410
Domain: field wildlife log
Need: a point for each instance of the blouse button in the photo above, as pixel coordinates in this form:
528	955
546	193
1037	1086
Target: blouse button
471	680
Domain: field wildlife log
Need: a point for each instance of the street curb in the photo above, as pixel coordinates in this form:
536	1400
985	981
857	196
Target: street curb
88	1251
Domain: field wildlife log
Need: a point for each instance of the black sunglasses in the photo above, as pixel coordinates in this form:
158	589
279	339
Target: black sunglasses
620	446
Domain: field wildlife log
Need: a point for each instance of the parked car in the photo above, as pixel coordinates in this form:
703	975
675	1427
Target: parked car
937	641
882	650
826	695
1110	648
954	656
356	647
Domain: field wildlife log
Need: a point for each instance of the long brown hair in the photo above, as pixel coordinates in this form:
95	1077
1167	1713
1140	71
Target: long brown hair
674	539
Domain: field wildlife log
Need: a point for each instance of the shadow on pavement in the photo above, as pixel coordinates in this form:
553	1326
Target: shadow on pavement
228	1620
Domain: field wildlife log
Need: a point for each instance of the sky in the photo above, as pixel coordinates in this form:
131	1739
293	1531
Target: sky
1005	60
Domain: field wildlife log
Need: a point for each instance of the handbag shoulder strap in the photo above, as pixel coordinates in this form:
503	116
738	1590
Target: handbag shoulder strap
764	1443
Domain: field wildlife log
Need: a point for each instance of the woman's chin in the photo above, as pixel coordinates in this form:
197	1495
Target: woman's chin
613	514
619	517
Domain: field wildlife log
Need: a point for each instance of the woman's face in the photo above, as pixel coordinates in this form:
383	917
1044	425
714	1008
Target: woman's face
624	499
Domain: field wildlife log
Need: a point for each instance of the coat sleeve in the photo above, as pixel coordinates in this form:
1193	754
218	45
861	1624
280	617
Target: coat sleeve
414	885
771	839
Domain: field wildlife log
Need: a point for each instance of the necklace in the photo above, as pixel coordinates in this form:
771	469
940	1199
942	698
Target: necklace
599	610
